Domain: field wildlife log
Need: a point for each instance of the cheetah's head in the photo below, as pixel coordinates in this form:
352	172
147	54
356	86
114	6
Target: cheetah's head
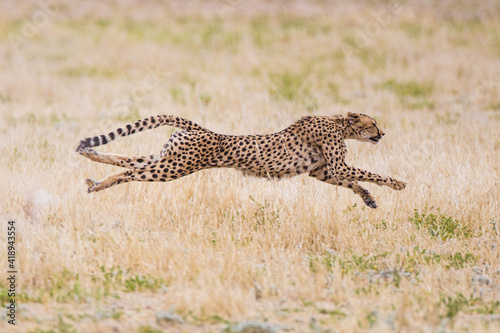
364	128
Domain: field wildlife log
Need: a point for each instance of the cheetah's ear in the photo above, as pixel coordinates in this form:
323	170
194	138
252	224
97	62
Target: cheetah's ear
352	118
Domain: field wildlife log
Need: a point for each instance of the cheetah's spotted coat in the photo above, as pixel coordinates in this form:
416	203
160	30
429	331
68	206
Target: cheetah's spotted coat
313	144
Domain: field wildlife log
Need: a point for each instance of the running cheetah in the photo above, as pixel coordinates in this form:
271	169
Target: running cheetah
313	144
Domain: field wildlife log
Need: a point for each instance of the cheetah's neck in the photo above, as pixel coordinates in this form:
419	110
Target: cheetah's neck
345	128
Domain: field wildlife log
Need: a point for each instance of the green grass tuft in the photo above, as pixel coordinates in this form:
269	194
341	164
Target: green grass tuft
148	329
411	94
92	72
440	225
408	88
292	87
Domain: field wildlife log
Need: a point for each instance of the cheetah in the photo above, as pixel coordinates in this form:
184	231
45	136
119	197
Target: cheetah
313	144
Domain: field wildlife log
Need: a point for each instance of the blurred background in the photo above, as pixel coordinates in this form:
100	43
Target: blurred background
216	251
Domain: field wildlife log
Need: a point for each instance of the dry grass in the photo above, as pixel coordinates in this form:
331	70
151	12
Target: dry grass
214	248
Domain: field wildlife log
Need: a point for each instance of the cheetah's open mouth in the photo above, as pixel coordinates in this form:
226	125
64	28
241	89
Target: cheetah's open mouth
375	139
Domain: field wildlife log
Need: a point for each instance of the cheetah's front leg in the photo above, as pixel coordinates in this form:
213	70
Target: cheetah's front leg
325	174
354	174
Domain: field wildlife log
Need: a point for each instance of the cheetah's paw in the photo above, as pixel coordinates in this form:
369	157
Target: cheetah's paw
91	184
398	185
89	153
369	201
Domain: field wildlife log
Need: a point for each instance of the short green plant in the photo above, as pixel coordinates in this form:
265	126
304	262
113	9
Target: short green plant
66	286
334	314
363	263
412	29
408	88
132	114
411	94
372	59
288	86
20	296
306	25
292	87
81	71
265	214
440	225
143	283
418	257
111	278
210	319
148	329
178	95
368	290
494	106
216	319
448	118
205	98
458	260
453	305
262	34
371	318
487	308
65	327
5	98
313	264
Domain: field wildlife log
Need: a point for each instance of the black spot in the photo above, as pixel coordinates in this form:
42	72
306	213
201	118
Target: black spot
87	142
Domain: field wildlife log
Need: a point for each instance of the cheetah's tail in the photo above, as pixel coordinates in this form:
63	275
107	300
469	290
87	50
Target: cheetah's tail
139	126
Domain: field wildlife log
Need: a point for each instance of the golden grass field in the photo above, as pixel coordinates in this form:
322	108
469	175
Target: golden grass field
218	252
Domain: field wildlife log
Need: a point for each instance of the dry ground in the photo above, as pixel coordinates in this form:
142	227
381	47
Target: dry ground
216	251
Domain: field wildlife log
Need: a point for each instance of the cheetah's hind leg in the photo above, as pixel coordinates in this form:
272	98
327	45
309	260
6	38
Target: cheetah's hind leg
119	160
113	179
91	184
